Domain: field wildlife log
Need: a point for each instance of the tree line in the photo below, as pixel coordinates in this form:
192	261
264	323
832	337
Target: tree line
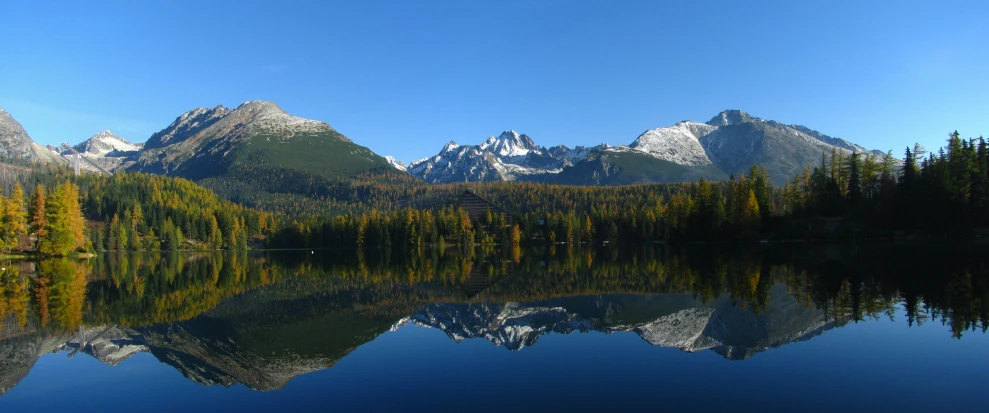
126	211
145	289
847	195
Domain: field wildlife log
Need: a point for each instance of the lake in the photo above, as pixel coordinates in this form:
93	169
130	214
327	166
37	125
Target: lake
810	328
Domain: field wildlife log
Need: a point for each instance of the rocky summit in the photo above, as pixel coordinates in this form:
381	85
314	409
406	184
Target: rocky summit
728	144
258	138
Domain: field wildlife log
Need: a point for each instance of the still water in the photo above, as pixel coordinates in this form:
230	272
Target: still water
822	328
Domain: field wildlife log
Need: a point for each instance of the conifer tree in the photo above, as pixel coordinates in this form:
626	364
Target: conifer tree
854	179
65	224
38	221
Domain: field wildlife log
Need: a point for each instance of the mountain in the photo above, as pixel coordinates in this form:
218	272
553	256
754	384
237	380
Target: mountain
16	143
106	143
256	139
397	164
728	144
679	143
741	140
508	157
676	321
104	151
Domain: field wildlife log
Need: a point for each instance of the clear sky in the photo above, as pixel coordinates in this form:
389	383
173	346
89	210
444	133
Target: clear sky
405	77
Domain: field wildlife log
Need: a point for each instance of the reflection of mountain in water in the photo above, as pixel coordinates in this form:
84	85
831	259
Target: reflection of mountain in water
511	325
263	346
679	321
19	353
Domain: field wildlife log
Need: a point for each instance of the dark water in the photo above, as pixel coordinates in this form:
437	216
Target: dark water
870	328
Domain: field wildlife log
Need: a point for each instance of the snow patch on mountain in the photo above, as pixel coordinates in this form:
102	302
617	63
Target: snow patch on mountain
510	144
507	157
512	325
104	143
679	143
397	164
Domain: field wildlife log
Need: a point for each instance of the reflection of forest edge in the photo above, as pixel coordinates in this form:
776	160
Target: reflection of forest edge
305	311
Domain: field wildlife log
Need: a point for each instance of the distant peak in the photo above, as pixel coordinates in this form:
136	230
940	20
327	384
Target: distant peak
450	146
106	135
219	109
731	117
509	143
259	105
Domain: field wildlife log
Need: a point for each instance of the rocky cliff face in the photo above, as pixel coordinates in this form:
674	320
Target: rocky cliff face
16	143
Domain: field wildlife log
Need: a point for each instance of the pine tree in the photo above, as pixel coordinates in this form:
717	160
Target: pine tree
137	218
179	238
66	226
15	218
38	221
854	179
118	233
242	235
751	214
215	235
133	239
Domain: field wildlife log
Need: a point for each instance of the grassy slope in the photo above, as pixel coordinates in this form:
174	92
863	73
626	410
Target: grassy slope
265	170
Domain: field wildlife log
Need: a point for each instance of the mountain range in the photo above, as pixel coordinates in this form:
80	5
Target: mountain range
260	140
676	321
728	144
264	347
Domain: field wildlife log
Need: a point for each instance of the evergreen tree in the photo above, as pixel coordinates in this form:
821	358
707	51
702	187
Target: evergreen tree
38	220
854	179
119	234
65	224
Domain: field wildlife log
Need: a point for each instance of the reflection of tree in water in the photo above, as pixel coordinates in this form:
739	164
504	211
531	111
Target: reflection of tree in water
142	289
263	318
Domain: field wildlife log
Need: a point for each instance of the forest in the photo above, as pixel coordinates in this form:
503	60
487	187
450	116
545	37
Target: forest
847	196
64	213
144	289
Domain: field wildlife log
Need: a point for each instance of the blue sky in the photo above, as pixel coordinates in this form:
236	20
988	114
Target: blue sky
405	77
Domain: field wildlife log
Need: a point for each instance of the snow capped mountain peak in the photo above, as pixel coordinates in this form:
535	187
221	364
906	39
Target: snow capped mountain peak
507	157
510	143
105	142
397	164
731	117
450	146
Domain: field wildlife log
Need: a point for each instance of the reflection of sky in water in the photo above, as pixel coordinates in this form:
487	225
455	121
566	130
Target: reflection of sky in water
872	365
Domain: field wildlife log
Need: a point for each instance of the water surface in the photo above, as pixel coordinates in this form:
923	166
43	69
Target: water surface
816	328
